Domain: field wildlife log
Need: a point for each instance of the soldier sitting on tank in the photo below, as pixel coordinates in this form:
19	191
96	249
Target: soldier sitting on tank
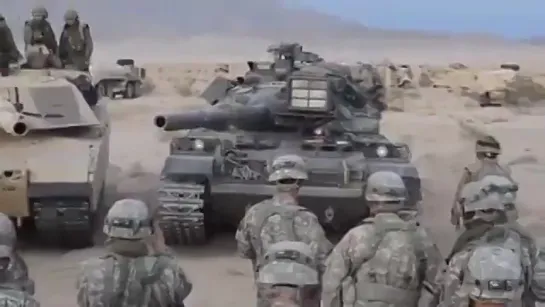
8	49
289	276
75	43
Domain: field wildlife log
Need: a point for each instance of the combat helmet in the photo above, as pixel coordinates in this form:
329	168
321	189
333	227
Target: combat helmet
488	146
507	190
289	275
288	167
39	12
8	234
480	205
386	191
128	219
70	16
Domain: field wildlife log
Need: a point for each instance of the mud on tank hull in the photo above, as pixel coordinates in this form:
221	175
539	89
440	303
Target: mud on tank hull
192	208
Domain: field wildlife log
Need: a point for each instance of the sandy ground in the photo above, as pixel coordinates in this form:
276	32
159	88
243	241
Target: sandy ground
437	125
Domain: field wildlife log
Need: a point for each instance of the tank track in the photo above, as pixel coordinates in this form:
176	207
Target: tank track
181	213
65	227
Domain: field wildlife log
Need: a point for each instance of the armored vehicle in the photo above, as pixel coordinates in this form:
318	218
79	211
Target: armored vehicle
123	79
55	152
219	167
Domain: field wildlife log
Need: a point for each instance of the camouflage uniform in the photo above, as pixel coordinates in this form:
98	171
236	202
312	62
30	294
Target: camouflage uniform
75	43
9	295
485	251
132	273
40	42
387	260
17	273
487	150
39	31
289	276
281	218
8	49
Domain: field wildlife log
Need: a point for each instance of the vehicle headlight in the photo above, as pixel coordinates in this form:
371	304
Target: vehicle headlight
382	151
198	144
318	131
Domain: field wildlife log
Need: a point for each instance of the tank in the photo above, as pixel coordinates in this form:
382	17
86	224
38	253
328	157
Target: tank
55	153
220	166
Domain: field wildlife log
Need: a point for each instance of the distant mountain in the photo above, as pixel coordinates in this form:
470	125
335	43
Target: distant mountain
114	20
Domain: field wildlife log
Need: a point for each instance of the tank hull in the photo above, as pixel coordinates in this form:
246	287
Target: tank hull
61	182
195	201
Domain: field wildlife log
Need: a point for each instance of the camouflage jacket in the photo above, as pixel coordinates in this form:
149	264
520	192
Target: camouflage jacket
32	27
253	239
352	251
474	172
16	298
115	280
452	292
8	46
75	40
18	275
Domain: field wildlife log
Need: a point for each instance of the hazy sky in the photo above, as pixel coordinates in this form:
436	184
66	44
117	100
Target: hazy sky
514	19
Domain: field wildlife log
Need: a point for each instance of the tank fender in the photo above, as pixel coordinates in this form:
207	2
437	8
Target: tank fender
189	165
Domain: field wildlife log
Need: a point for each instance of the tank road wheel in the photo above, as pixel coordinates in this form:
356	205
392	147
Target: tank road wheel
130	91
181	213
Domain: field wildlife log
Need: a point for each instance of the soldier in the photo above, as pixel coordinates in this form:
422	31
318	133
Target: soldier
487	150
75	43
9	295
9	52
38	30
40	42
132	273
289	276
281	218
492	266
18	270
385	257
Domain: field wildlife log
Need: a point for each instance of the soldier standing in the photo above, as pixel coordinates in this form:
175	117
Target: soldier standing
132	273
490	263
17	274
75	43
9	295
9	52
487	151
385	258
281	218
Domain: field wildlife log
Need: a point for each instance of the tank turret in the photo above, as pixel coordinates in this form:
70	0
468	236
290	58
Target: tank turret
46	100
277	106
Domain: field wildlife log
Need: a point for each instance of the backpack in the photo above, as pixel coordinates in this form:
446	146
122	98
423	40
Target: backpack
286	228
130	287
497	268
395	268
16	298
537	282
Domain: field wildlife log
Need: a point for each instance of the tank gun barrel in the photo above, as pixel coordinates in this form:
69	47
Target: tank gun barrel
12	122
217	118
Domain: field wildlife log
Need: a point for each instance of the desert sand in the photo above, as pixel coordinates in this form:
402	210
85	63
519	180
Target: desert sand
440	128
